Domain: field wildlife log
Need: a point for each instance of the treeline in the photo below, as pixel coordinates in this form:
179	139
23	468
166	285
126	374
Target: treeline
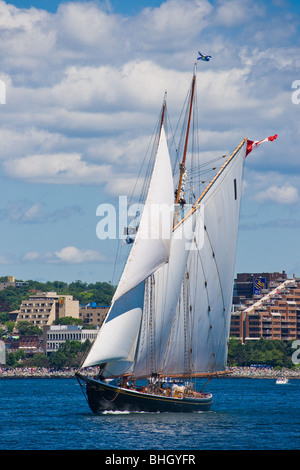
276	354
272	353
100	292
69	354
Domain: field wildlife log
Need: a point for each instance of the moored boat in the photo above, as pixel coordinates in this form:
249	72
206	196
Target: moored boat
282	380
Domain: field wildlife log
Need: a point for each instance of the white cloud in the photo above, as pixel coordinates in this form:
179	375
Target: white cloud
57	169
233	12
71	254
67	255
84	86
285	194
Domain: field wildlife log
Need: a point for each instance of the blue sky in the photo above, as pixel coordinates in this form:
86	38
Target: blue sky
84	84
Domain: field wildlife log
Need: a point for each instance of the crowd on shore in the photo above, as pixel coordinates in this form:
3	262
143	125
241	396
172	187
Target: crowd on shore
234	372
36	372
263	372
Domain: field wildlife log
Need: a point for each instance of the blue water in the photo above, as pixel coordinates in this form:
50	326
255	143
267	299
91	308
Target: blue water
52	414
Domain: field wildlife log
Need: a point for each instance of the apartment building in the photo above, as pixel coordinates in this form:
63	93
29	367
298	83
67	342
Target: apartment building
275	314
44	308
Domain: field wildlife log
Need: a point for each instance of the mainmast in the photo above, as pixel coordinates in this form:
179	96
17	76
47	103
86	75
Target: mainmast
182	164
163	112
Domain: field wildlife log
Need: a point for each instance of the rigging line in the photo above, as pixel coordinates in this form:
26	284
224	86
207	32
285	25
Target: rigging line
218	272
170	138
152	326
199	258
172	330
142	328
186	322
208	162
199	169
180	141
146	182
202	195
168	278
205	279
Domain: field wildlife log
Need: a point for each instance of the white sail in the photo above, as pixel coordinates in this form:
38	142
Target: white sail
200	330
116	341
152	244
161	298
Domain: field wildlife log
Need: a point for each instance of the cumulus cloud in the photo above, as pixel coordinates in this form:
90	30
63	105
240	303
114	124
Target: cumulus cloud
84	86
67	255
71	254
57	168
285	194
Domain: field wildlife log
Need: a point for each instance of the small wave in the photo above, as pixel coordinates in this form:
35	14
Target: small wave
119	412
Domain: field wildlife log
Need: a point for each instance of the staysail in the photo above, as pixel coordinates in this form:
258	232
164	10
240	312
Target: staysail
116	341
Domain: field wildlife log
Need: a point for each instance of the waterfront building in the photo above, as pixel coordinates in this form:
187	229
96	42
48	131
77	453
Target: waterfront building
44	308
55	335
30	344
93	313
275	314
247	285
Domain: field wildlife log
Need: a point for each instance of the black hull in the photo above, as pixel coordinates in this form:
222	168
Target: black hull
104	397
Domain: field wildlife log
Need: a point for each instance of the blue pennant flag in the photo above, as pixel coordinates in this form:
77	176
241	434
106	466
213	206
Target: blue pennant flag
203	57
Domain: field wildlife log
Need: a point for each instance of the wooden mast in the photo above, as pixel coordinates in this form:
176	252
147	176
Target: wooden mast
182	164
163	113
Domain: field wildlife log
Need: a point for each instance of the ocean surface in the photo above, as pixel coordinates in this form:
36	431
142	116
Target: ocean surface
247	414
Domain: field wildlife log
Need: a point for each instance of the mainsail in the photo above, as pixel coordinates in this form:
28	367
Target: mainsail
187	314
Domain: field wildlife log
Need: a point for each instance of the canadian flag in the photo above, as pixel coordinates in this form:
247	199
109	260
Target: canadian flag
252	144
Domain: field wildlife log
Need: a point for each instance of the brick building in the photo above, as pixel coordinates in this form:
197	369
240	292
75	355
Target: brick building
275	314
248	284
93	314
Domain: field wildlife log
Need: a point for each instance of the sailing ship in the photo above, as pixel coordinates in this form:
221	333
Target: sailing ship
169	318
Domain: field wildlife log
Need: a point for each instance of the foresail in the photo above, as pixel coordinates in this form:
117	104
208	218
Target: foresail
116	342
152	244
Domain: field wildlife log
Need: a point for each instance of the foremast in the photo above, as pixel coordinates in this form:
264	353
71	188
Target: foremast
179	195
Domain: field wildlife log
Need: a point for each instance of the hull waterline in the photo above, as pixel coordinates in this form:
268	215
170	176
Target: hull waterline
105	397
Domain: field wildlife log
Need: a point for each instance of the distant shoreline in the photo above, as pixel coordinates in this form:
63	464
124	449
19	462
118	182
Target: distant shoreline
69	373
262	373
36	373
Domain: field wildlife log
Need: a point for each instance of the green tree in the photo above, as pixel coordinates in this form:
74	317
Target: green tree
237	353
70	354
27	328
9	325
4	316
68	321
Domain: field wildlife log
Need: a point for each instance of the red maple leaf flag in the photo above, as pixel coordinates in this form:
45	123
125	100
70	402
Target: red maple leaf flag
252	144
